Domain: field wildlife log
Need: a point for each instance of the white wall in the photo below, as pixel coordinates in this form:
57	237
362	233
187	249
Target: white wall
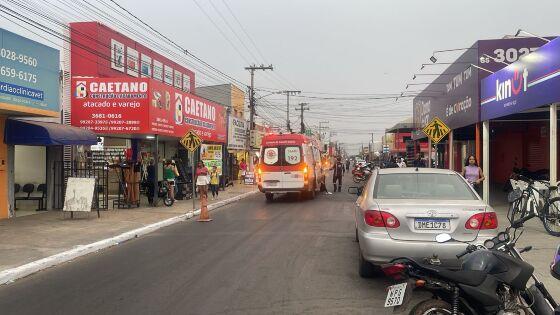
30	165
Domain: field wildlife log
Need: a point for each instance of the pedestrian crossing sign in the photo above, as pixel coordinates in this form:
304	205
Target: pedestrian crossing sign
436	130
191	141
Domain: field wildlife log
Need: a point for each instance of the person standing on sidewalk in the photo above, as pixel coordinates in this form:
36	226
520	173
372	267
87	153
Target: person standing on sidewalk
214	181
202	180
169	174
242	171
473	173
338	171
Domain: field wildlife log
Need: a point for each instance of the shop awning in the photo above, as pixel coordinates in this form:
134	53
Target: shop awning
26	132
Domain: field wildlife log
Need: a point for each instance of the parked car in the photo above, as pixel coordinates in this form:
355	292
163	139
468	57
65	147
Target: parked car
400	211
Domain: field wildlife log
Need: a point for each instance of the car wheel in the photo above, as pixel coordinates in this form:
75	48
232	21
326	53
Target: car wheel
269	197
365	268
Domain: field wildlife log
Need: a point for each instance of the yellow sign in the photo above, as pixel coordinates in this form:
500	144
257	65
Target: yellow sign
436	130
191	141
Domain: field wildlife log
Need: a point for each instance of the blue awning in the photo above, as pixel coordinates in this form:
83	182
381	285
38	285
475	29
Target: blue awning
26	132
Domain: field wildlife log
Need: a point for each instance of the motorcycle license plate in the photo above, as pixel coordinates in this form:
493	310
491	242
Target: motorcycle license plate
432	224
395	296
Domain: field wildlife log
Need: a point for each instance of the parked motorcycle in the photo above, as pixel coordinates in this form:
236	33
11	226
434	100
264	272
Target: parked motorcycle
360	174
490	279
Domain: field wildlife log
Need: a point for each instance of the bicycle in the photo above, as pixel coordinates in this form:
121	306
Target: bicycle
530	199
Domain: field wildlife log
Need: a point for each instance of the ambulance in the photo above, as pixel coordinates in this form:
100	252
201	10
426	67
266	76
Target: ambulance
289	163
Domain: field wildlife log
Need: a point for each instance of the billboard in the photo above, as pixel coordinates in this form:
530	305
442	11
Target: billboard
110	106
452	96
99	51
237	133
144	106
29	73
531	82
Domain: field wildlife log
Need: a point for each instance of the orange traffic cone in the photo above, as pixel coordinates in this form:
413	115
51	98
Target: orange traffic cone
204	215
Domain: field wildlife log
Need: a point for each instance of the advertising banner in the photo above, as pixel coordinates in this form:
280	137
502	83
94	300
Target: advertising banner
29	73
116	105
211	163
211	152
237	133
174	112
140	105
494	54
531	82
452	97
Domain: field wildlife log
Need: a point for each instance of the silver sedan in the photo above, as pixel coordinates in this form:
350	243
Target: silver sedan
401	210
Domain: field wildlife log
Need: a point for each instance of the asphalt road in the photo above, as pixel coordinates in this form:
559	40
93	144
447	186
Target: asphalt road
284	257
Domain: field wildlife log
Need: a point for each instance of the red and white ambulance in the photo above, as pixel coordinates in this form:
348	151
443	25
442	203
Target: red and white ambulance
289	163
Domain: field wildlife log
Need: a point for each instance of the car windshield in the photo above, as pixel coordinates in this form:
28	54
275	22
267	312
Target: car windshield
422	186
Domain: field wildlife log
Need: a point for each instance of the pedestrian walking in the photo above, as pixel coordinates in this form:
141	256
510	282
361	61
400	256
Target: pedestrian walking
214	181
323	182
337	169
169	174
242	171
473	173
202	182
347	165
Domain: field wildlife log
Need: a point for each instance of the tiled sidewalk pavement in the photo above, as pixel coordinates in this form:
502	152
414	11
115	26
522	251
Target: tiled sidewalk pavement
29	238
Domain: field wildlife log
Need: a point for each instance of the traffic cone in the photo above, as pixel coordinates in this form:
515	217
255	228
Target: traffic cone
204	215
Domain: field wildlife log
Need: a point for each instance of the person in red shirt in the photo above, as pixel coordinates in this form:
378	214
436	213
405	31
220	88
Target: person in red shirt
202	180
242	170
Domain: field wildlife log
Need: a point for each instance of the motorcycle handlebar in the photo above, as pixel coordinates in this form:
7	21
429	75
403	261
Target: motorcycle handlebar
469	249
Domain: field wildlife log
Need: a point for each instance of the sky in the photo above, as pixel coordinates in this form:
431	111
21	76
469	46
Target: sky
329	49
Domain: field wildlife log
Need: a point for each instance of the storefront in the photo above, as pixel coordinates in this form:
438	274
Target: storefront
29	91
148	117
519	114
237	145
454	98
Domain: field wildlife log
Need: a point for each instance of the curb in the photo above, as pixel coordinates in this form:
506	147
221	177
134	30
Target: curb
10	275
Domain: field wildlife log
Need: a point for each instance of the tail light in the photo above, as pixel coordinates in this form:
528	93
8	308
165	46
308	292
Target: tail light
305	172
394	271
381	219
482	221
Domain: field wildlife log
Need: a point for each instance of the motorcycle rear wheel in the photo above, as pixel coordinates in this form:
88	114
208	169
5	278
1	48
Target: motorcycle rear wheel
356	179
168	201
432	307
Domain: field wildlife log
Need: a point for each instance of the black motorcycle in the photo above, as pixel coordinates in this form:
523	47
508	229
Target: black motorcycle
491	278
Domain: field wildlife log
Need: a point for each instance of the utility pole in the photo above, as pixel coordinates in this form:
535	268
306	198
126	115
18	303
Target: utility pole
302	108
252	92
252	107
288	93
371	149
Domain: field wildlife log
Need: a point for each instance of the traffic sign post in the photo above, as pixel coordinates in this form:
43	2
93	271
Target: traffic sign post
436	130
191	141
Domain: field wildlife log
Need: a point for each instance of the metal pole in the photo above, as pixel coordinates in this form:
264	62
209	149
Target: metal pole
193	182
486	160
429	152
156	169
451	153
252	101
553	143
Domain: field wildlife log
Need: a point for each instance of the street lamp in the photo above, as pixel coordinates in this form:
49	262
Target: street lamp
519	31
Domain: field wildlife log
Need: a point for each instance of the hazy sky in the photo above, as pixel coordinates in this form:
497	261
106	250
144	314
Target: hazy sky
339	47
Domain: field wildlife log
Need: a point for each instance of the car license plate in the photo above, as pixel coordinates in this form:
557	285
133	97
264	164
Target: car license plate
272	184
432	224
395	296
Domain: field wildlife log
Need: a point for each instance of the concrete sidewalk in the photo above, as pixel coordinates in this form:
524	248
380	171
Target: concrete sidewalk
35	237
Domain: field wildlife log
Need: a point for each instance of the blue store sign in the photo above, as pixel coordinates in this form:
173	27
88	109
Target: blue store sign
531	82
29	73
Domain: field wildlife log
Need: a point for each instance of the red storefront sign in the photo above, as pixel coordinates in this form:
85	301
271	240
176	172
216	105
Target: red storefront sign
144	106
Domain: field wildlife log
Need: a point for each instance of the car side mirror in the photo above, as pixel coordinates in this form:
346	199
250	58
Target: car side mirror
355	190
